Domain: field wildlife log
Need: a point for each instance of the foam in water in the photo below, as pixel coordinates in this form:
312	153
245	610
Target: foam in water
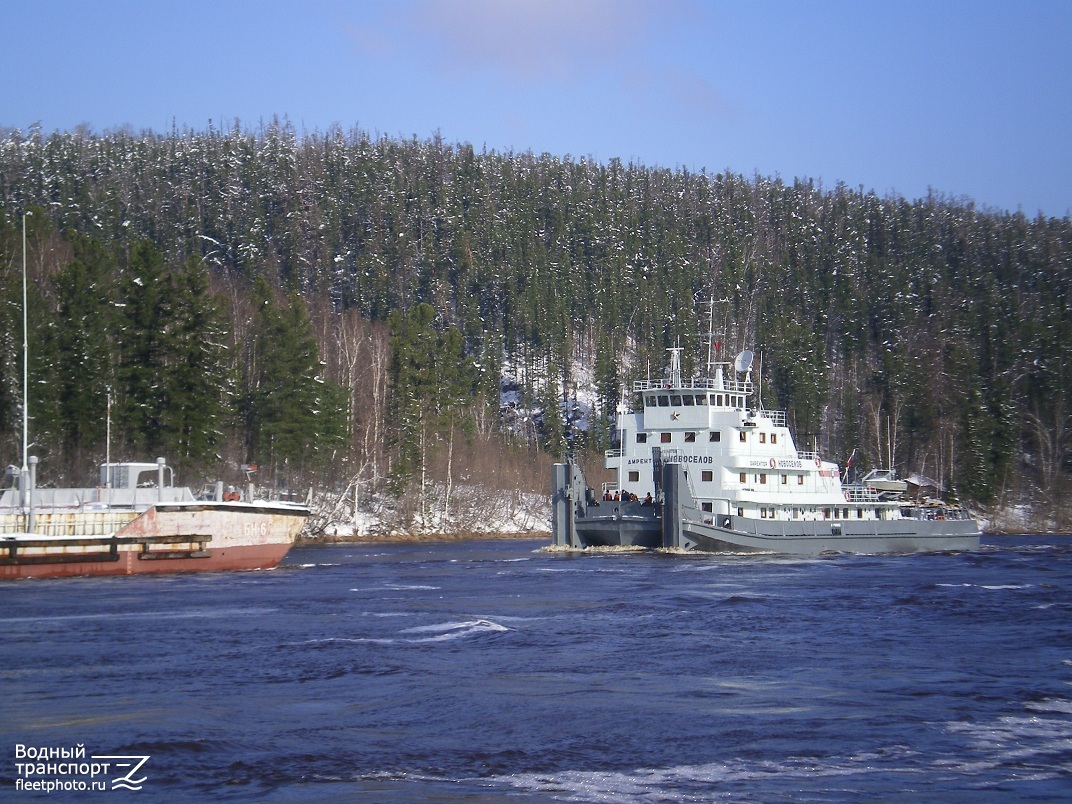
454	630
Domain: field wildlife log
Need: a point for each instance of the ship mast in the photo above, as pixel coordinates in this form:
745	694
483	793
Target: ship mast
714	344
26	479
25	356
675	366
710	337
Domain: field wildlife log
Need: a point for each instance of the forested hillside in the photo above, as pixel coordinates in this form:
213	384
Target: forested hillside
341	310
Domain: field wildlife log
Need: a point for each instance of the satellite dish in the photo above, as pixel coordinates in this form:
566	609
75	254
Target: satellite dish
743	362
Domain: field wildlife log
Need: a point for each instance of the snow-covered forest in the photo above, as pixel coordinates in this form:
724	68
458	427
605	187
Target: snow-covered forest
408	320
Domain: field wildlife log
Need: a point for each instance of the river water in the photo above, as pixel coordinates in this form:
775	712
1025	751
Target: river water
490	671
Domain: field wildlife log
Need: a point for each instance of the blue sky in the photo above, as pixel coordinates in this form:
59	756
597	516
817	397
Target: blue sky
968	98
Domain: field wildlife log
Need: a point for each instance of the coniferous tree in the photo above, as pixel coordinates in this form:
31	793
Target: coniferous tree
142	298
533	252
172	382
199	385
10	345
84	341
294	419
432	384
35	385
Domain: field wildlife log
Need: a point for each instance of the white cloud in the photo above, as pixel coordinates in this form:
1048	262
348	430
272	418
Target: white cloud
531	39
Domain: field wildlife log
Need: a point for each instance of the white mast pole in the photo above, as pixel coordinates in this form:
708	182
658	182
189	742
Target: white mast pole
25	359
108	449
710	338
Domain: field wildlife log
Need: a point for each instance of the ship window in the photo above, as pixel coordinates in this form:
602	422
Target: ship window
796	513
763	513
707	476
859	513
675	401
826	513
664	438
744	436
744	478
719	402
762	438
800	480
763	478
715	435
664	401
785	479
774	438
740	512
688	399
707	507
845	513
690	438
634	477
642	438
649	401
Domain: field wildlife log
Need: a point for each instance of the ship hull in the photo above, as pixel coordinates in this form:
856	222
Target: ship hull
796	538
812	538
166	538
619	531
678	524
129	562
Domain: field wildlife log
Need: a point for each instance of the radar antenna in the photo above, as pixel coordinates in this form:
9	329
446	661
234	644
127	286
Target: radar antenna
743	363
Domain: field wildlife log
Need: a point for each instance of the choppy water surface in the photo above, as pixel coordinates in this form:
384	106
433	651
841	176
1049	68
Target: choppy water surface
490	670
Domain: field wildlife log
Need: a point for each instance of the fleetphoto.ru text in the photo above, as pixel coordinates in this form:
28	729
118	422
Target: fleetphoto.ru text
68	769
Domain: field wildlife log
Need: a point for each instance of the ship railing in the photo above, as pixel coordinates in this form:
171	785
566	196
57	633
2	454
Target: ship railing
860	494
933	509
613	453
805	455
702	383
777	417
67	524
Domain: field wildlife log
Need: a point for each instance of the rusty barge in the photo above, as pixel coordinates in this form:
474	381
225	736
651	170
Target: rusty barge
135	523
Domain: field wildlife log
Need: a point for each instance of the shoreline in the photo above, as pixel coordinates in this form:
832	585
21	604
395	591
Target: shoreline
414	538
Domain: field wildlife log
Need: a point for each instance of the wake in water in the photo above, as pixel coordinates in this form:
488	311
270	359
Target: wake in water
440	632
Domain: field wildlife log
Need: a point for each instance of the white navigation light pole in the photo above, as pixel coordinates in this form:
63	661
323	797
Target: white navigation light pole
24	480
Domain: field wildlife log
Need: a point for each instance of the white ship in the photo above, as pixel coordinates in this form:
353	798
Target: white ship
701	467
